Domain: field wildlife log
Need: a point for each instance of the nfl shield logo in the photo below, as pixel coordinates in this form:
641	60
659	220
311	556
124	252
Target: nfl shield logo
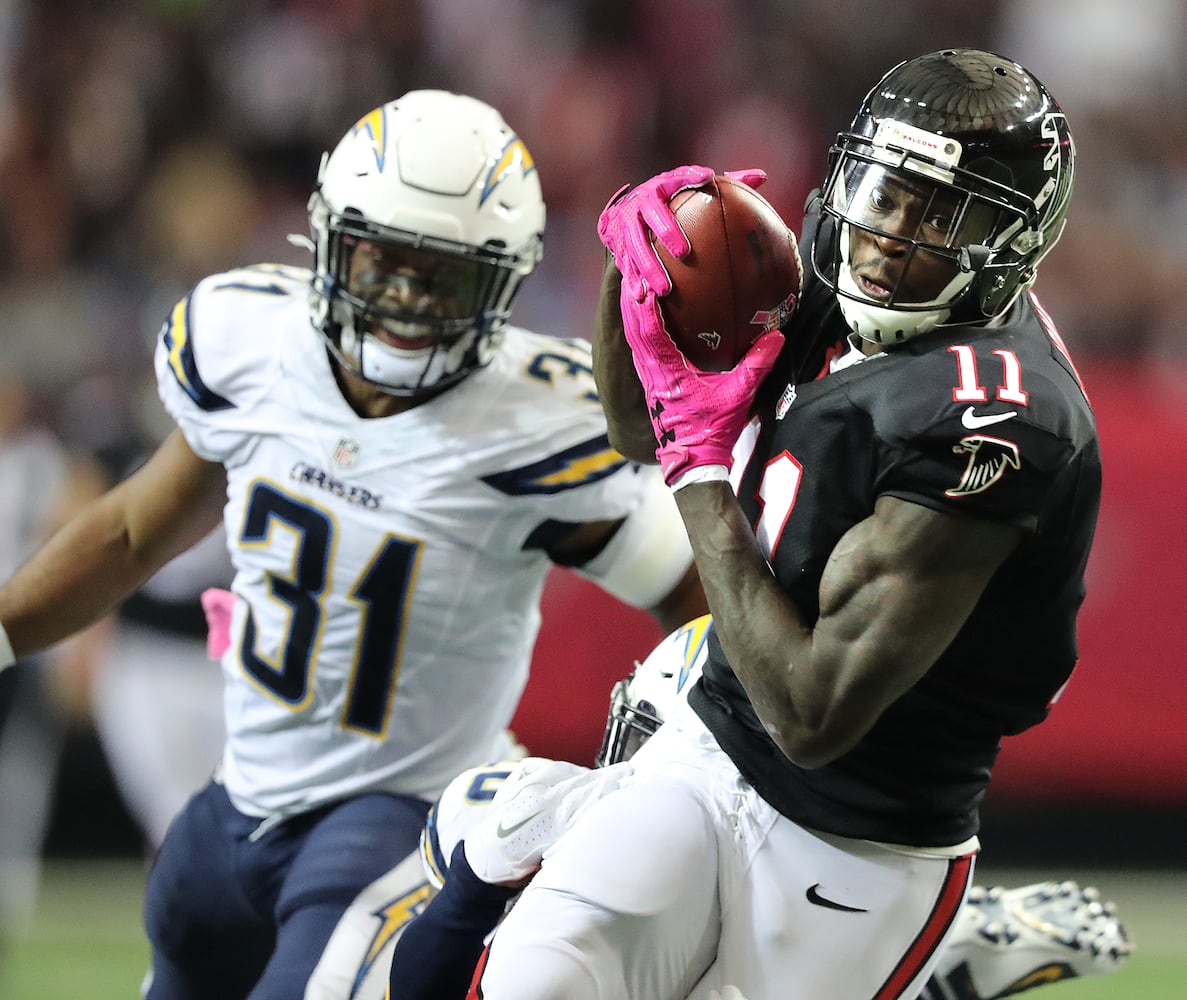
785	402
346	453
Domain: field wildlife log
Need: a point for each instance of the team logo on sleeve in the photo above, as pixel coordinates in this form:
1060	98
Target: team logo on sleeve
989	458
575	467
182	360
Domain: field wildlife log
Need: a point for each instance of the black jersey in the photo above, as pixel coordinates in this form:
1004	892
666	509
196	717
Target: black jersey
985	422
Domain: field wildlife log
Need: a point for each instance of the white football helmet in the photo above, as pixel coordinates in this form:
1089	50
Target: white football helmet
427	217
641	701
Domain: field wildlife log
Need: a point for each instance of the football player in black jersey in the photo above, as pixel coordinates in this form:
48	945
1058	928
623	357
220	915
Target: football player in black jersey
891	503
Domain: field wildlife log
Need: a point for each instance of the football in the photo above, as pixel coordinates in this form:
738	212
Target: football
742	276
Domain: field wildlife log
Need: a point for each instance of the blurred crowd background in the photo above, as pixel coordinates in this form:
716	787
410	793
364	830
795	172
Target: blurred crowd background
147	143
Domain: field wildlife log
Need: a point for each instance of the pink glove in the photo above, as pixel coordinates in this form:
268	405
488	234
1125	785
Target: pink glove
633	214
697	416
627	222
218	605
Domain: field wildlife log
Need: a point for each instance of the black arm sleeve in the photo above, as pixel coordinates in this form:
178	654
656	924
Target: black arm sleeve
437	954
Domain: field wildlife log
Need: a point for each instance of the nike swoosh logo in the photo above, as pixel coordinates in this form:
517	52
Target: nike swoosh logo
505	831
819	900
972	420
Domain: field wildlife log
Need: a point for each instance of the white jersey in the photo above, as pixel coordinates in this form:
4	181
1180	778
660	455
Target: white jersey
388	570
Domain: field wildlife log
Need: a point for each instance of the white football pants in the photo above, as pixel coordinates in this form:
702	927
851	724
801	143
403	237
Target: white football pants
685	880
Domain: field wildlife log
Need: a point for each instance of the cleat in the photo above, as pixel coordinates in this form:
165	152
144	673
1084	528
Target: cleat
1007	941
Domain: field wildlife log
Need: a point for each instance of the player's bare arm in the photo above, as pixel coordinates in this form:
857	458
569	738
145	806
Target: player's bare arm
111	546
621	393
896	590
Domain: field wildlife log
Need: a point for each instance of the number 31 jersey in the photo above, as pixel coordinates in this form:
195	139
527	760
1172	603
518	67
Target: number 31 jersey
388	570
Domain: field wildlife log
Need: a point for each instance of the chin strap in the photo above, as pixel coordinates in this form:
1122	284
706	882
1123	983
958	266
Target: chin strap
974	257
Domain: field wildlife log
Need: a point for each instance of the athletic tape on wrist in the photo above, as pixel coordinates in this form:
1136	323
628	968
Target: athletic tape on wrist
7	657
701	474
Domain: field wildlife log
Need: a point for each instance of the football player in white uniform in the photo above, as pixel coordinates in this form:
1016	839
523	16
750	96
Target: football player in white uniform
494	826
397	468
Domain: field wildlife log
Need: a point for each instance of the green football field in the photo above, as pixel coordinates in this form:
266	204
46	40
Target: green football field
85	938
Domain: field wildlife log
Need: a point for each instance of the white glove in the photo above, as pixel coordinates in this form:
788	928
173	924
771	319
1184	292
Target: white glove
528	814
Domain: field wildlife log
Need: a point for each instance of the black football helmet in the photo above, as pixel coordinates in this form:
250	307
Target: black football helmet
983	153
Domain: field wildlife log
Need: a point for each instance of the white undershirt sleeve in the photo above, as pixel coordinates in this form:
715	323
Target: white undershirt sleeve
648	555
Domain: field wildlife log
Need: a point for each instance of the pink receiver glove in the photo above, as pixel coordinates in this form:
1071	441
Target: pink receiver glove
633	214
218	605
697	416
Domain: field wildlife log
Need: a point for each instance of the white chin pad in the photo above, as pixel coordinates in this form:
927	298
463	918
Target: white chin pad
396	368
878	324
